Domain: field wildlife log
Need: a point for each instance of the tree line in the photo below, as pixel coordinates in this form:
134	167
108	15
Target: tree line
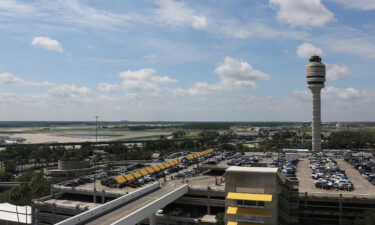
351	140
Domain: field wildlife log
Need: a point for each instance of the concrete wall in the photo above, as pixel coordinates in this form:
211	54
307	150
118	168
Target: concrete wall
72	164
105	208
253	182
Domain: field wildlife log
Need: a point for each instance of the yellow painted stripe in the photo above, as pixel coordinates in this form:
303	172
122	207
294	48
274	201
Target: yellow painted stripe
249	212
249	197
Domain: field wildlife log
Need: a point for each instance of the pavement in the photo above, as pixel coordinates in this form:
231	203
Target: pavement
135	205
362	188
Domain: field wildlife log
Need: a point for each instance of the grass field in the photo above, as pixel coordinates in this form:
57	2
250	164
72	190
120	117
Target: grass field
135	138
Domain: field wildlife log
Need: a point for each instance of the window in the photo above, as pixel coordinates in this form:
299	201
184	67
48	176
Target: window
250	204
252	219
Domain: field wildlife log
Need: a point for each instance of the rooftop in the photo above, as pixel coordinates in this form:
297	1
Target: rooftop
362	188
234	169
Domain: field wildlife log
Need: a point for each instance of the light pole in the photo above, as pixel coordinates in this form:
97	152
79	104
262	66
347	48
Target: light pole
94	155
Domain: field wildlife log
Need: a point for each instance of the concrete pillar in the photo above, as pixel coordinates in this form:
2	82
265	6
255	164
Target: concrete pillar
153	219
305	201
208	205
54	213
94	196
316	118
36	218
103	196
340	210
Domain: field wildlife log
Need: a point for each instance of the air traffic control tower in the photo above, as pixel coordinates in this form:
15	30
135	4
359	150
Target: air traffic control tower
316	76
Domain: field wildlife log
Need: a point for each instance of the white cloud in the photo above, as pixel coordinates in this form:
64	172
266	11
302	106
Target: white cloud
178	92
233	74
337	72
239	30
346	97
302	12
177	14
71	93
145	74
47	43
16	9
307	50
358	4
238	73
13	101
145	81
347	94
8	78
151	57
107	87
74	12
199	22
360	46
348	104
200	88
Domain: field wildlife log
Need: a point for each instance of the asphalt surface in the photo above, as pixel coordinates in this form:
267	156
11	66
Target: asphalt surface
362	188
135	205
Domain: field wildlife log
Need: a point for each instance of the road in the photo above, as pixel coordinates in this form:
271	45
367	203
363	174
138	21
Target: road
135	205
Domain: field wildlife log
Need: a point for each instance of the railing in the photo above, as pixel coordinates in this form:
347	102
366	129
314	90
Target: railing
20	214
151	208
208	188
336	195
103	209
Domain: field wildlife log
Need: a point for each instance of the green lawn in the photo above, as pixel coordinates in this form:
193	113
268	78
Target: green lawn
136	138
192	137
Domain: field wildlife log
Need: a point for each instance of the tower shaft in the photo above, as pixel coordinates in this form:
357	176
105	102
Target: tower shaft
315	77
316	119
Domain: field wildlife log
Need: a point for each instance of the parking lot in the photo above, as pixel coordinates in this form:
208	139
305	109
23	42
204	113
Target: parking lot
306	184
362	186
186	172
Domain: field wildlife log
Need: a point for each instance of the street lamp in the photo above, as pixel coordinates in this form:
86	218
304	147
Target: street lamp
94	155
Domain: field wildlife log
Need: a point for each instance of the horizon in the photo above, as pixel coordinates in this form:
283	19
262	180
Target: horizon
178	121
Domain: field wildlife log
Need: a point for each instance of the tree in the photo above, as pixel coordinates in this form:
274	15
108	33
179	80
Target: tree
33	186
10	166
220	219
20	195
4	176
368	219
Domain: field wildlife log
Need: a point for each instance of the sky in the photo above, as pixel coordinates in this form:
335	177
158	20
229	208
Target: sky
170	60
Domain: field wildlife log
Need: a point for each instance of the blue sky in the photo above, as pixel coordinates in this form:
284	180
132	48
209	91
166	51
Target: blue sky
211	60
